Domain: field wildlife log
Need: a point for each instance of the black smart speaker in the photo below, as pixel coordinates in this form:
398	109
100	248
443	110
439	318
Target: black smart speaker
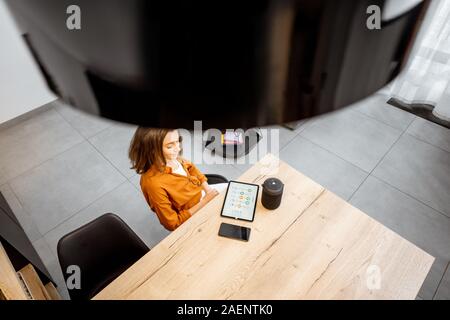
272	193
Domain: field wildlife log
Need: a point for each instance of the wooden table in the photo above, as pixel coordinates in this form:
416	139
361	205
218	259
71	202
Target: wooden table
10	286
314	246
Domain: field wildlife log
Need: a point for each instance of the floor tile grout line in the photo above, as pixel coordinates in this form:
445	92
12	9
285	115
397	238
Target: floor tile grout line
427	142
295	132
84	139
440	281
238	169
109	161
26	116
401	134
334	154
43	162
320	147
8	181
134	185
287	144
79	132
300	129
376	120
86	206
411	196
378	163
88	140
402	191
96	149
414	119
298	134
47	264
15	195
385	123
24	209
98	133
49	159
48	247
389	184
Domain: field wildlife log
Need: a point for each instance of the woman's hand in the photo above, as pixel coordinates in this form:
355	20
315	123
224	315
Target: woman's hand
206	187
207	198
211	192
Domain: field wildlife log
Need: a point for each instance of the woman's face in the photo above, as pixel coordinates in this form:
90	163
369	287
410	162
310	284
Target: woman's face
171	145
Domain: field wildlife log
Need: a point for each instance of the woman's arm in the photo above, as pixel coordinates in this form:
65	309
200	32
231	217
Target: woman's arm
160	203
207	187
193	170
208	197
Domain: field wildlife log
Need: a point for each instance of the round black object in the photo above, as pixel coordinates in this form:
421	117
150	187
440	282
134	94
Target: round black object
272	193
137	64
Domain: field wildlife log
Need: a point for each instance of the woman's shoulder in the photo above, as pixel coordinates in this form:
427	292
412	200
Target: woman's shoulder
151	178
186	163
152	185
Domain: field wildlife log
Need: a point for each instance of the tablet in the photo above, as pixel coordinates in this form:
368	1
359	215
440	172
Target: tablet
240	201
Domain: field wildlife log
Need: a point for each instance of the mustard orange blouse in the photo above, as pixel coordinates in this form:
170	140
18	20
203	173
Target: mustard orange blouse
171	195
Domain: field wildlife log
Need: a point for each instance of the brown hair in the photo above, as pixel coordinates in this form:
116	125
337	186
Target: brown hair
146	148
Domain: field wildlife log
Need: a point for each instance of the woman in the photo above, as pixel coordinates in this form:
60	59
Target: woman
173	187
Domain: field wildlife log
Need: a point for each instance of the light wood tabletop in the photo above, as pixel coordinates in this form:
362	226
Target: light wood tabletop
314	246
10	285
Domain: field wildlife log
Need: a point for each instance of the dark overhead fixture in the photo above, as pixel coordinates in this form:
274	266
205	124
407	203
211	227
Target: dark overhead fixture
231	64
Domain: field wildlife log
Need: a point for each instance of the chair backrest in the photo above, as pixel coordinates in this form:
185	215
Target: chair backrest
102	249
215	178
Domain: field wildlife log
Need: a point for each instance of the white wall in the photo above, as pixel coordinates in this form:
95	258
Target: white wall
22	88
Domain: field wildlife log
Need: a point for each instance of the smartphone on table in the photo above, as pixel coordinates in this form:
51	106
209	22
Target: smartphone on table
234	232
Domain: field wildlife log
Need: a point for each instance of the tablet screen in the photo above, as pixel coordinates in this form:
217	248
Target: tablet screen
240	201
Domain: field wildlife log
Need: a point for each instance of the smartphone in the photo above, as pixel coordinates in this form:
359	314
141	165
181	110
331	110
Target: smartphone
234	232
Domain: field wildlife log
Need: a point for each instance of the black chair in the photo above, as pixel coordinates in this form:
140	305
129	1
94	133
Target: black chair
102	249
216	178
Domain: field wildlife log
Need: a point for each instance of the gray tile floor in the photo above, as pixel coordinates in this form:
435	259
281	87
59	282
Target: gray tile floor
62	168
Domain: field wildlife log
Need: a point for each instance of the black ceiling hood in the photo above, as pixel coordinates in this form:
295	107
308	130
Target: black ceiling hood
230	64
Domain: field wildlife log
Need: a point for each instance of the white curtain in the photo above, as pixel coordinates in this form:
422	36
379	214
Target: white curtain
426	78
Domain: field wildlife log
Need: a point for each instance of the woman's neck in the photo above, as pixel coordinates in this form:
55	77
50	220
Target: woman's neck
173	163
